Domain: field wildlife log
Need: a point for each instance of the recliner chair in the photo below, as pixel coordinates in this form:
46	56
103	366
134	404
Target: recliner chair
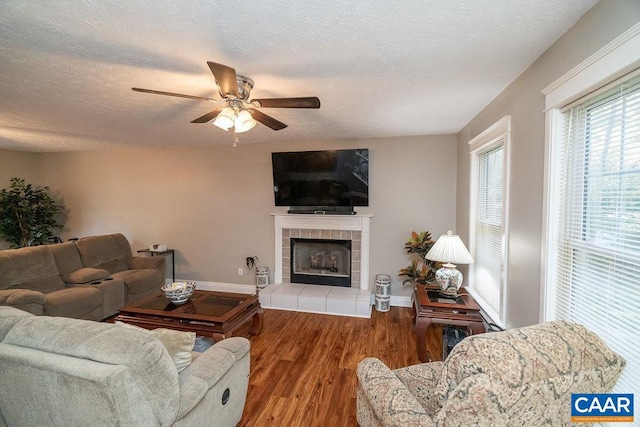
520	377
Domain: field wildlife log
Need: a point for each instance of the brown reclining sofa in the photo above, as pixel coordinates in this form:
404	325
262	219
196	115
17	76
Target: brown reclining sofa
91	278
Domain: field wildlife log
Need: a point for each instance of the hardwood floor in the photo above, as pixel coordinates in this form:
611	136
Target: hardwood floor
303	365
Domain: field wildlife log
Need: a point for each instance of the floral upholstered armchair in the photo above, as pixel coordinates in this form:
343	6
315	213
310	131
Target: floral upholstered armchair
518	377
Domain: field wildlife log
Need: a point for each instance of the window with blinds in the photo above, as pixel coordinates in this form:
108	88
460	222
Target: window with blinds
488	229
596	255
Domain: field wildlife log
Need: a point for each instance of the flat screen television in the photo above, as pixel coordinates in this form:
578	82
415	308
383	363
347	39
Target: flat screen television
324	181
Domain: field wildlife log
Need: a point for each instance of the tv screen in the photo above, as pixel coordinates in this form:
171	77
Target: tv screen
321	178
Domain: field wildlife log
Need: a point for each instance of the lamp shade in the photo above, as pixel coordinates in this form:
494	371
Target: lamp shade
225	119
244	122
449	249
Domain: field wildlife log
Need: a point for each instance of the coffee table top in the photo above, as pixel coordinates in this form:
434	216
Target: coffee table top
203	305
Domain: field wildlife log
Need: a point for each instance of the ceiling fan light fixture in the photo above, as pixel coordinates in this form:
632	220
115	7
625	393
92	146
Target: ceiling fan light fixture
225	120
244	122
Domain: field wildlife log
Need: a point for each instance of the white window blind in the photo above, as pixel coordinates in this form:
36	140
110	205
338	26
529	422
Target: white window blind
488	229
596	261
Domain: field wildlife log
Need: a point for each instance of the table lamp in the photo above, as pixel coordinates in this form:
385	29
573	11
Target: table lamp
450	250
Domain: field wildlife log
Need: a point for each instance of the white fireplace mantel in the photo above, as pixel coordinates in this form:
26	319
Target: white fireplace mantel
324	222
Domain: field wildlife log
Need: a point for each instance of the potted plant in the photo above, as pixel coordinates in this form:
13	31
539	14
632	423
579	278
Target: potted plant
28	214
421	270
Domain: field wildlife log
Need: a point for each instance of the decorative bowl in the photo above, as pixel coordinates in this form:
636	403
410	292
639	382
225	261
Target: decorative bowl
178	292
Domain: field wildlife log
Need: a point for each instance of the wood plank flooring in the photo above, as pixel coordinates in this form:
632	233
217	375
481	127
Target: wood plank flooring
303	365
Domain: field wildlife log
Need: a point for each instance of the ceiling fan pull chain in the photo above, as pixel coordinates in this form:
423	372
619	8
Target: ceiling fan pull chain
235	139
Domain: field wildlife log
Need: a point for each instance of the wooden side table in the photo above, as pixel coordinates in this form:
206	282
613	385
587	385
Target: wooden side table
428	309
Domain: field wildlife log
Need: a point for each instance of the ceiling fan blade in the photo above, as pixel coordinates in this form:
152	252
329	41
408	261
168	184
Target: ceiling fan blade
209	116
225	78
267	120
180	95
305	102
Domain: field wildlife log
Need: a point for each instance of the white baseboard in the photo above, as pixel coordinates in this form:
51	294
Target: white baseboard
400	301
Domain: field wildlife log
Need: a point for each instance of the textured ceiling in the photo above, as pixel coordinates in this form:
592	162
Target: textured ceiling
380	68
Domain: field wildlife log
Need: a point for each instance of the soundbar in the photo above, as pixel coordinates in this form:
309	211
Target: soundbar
322	210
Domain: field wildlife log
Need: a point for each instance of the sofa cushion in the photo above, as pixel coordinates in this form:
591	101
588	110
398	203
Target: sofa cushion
85	275
67	257
179	344
79	302
110	252
140	281
29	268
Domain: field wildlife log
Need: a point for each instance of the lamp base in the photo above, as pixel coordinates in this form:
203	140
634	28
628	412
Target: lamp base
449	279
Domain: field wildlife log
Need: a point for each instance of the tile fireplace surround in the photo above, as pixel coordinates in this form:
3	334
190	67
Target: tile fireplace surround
353	301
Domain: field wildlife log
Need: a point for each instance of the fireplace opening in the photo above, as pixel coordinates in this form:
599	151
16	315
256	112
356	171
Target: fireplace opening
321	262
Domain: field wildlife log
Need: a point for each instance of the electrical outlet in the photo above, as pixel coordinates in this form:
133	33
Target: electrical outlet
240	271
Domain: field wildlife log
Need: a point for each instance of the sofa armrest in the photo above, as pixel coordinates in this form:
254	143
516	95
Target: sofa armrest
209	367
218	359
421	380
392	403
21	296
151	262
84	275
24	299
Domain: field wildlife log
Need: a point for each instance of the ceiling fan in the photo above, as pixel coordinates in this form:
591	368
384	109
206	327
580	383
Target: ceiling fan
236	110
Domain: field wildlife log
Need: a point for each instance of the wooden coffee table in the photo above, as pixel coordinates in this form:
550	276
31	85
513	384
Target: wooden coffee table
207	313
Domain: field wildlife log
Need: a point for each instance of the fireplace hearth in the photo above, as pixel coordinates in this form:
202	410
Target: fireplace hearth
321	262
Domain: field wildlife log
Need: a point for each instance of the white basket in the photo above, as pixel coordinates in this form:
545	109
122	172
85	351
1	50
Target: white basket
179	292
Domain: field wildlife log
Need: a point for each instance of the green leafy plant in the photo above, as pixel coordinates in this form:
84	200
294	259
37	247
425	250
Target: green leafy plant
28	214
421	270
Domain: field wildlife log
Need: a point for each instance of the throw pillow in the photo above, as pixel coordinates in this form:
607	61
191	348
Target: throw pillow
85	275
179	344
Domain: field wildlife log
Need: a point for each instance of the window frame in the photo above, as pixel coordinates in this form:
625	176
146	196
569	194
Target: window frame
499	131
593	76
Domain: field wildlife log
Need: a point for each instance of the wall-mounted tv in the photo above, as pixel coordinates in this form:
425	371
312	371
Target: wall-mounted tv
319	181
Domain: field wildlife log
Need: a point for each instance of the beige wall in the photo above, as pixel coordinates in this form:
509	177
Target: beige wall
524	101
18	164
214	204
